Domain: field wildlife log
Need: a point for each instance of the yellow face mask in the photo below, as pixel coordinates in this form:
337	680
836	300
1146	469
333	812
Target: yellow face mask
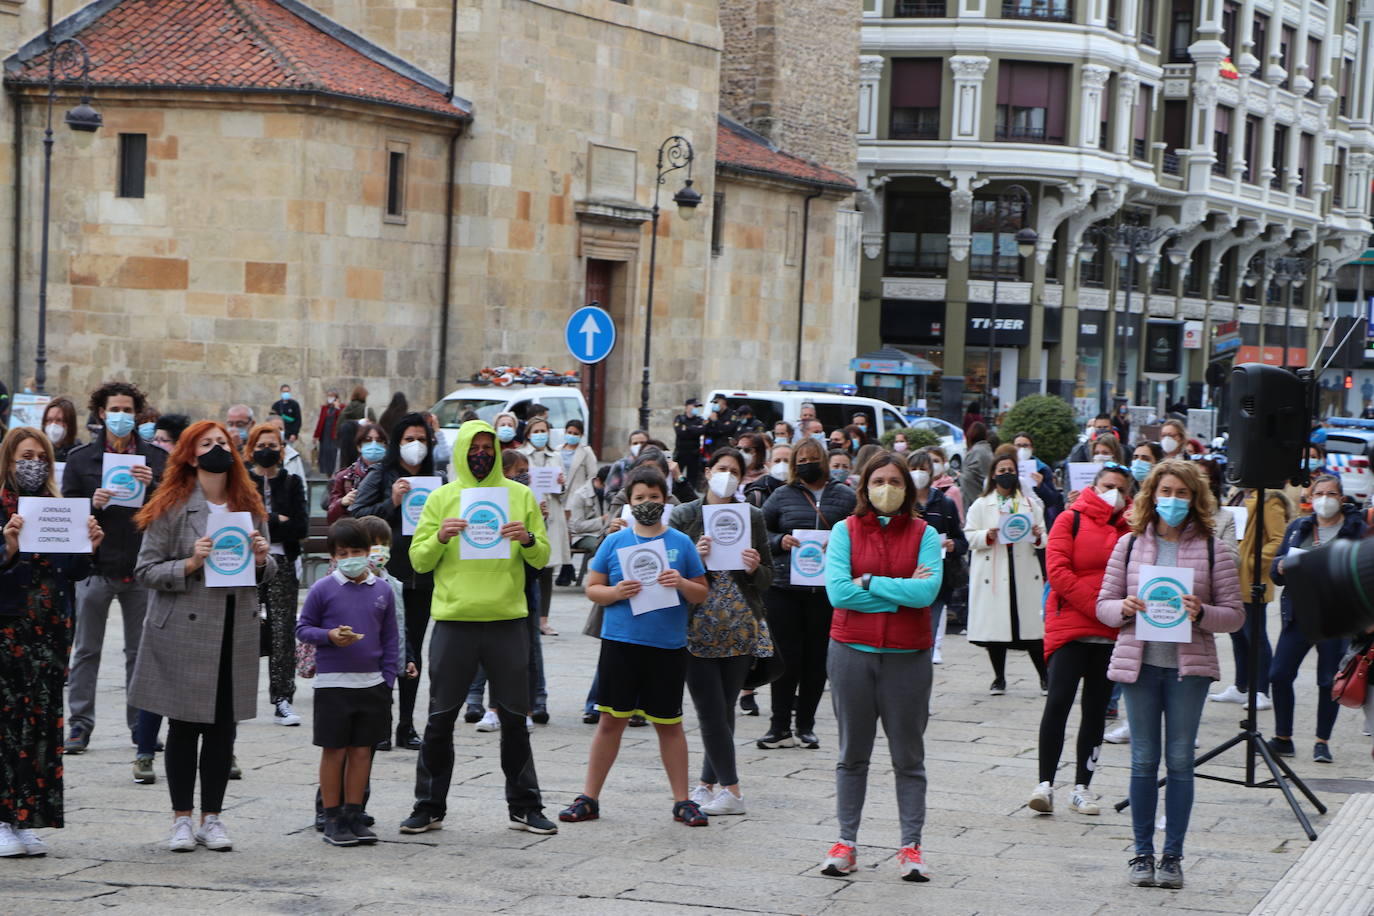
885	497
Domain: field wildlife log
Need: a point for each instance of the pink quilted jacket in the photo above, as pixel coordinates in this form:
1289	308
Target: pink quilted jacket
1219	591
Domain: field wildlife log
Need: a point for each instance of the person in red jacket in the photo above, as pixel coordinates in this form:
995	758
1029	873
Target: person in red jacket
1078	647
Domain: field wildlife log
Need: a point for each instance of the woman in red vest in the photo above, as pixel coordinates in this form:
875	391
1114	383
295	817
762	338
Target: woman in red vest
1078	646
882	572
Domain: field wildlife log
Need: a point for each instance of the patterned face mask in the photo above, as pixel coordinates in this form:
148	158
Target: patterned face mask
30	474
647	514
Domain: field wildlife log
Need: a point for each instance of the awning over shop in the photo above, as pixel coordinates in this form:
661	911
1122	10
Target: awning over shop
891	361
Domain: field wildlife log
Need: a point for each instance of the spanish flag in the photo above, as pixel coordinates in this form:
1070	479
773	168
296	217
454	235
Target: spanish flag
1228	70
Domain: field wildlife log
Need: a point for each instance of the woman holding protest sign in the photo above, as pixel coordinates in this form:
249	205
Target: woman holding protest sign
35	636
550	487
205	552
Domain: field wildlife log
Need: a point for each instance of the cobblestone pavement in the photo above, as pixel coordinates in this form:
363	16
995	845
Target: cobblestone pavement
988	853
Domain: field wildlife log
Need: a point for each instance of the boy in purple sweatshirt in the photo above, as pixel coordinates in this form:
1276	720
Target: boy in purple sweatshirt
350	615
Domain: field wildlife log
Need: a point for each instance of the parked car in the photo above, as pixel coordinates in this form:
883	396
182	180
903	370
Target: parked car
1348	454
951	438
564	404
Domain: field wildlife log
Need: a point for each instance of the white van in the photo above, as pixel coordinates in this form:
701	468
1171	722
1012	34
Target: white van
564	404
833	410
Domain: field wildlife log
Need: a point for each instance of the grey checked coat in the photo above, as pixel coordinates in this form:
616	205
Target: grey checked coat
178	660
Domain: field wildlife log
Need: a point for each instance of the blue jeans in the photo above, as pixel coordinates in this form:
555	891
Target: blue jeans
1160	694
1288	655
1240	649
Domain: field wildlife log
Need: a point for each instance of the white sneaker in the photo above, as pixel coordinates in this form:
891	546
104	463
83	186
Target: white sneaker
935	658
10	844
529	725
1262	701
212	835
1119	735
33	846
1084	801
702	795
183	837
1042	799
285	715
725	802
1229	695
489	722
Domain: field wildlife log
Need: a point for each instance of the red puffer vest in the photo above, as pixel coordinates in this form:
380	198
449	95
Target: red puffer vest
892	550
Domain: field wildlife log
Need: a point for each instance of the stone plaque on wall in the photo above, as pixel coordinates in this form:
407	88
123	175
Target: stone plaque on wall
612	173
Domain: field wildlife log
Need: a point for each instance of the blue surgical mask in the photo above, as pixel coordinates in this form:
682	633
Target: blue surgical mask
1172	510
286	395
146	430
353	567
697	411
839	475
1140	469
854	443
372	451
572	439
1314	464
505	433
820	437
119	425
539	440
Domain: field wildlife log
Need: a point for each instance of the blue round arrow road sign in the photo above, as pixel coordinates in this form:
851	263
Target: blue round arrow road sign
590	334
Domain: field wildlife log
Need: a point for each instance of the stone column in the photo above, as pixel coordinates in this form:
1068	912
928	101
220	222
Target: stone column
1302	77
1090	117
969	73
870	84
1127	87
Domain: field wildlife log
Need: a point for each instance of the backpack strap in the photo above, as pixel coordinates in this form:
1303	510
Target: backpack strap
1077	517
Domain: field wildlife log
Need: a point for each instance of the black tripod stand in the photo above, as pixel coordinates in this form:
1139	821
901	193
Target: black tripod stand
1281	774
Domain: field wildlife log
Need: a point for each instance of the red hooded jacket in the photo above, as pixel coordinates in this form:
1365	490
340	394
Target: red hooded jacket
1075	564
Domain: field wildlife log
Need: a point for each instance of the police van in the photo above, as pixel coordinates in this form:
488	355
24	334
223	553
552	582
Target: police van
835	404
1349	447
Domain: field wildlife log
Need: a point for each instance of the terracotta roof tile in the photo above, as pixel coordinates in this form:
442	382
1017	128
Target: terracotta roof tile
276	45
738	147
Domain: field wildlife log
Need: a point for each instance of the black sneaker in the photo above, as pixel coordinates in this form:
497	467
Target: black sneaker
1321	752
749	705
357	823
776	739
808	740
474	713
1282	747
406	739
540	715
1044	687
583	808
77	740
420	821
999	686
383	745
1142	871
1170	872
338	830
638	721
532	821
591	718
565	576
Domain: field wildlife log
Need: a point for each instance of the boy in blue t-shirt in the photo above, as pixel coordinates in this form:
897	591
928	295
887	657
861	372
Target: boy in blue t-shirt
643	663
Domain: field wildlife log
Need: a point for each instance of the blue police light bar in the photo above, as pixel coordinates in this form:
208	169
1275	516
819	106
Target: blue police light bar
1350	423
818	387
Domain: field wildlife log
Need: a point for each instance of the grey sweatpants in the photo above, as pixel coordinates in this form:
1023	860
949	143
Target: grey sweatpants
93	598
864	688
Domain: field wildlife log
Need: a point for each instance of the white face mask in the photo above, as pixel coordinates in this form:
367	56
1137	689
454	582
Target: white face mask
1169	444
55	431
921	479
1326	506
779	470
937	469
634	449
1102	459
1023	453
414	452
723	484
1111	497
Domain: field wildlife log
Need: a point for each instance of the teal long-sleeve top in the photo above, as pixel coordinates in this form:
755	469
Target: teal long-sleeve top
885	594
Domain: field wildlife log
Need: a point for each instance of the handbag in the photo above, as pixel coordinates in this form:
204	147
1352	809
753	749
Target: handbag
1351	684
305	659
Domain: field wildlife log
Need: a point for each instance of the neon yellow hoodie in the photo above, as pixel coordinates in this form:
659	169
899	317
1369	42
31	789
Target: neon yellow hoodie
476	590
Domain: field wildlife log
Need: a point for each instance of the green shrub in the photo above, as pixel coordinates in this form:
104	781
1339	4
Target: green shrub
915	438
1048	420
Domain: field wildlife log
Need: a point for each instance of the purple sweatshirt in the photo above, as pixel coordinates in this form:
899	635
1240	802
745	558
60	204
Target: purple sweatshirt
369	607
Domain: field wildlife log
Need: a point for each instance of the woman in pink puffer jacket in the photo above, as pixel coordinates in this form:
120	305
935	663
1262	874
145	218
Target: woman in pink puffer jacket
1167	682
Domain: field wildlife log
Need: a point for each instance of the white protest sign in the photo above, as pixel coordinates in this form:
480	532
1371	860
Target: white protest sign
1014	527
545	480
1081	474
54	525
626	515
644	563
230	562
1242	516
1164	619
1288	558
728	527
117	476
413	503
59	470
485	509
808	558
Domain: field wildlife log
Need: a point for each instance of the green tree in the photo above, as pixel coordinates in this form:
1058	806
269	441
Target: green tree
1048	420
915	438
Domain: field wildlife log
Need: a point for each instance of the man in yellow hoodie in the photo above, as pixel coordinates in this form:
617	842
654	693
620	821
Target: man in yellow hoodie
478	610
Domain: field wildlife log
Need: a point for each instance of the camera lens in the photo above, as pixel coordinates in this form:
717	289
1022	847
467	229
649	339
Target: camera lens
1332	589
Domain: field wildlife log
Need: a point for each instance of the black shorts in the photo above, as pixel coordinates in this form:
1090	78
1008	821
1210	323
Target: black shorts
631	678
352	716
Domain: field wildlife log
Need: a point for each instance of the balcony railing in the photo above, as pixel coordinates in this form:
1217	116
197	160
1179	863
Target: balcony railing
919	9
1045	10
1276	183
1170	163
1138	148
1219	167
1026	134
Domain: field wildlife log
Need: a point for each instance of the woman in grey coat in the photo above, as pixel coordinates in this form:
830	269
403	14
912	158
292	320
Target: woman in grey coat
198	661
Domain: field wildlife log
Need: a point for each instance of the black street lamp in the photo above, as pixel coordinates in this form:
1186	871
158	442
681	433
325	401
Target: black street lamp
1130	245
67	56
673	154
1011	208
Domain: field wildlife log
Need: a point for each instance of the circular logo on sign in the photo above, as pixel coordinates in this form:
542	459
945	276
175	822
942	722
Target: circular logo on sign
1163	599
122	481
230	551
645	566
809	559
484	524
415	503
1016	527
726	528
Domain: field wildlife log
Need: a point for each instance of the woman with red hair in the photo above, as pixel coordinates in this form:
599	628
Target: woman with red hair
198	662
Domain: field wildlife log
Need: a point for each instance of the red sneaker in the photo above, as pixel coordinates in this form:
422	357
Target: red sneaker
839	861
909	861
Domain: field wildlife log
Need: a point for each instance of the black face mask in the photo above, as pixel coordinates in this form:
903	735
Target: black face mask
266	457
481	465
216	461
809	471
1007	480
